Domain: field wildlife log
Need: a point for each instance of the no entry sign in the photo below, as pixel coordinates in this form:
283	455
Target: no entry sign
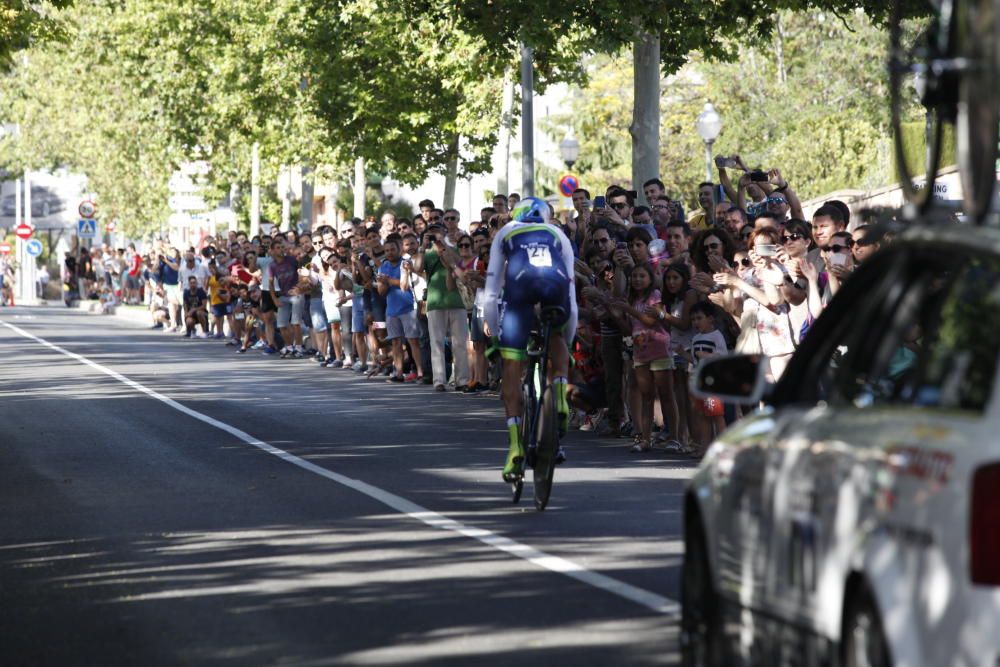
24	231
568	183
5	248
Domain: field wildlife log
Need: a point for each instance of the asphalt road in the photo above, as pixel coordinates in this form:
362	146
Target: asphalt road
175	503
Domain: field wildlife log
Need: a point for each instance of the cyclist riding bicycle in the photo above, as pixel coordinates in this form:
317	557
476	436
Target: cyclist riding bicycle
531	262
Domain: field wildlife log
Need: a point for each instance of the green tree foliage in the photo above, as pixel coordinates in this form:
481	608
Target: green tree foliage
139	86
795	103
143	85
24	23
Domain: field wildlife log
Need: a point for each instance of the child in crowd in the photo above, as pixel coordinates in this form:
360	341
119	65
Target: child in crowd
108	300
707	341
678	297
651	355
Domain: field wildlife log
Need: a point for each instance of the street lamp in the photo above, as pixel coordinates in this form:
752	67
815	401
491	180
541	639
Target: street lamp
709	125
389	187
569	149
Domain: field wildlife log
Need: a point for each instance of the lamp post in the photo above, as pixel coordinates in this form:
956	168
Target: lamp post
709	125
569	149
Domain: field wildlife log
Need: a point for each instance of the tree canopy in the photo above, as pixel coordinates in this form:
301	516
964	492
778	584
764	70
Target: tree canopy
137	87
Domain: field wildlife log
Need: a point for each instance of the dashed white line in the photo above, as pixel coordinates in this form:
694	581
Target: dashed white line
653	601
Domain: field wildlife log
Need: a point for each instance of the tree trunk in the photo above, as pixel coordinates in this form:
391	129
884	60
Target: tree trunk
359	186
306	212
779	50
451	174
645	129
506	121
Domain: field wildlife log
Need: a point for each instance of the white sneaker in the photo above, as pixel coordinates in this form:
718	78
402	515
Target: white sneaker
356	366
258	345
201	334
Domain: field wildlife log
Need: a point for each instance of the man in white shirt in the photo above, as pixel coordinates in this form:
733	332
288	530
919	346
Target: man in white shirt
191	267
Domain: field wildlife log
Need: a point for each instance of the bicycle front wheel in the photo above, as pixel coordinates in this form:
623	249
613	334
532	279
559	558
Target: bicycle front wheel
978	123
548	444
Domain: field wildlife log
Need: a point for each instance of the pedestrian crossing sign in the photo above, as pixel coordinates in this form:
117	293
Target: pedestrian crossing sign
86	229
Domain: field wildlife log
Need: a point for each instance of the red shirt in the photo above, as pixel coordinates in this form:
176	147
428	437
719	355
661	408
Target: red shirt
135	265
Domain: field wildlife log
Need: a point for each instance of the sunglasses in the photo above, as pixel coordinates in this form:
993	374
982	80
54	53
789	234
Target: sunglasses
620	205
836	247
776	200
792	237
450	218
602	240
713	246
661	207
464	245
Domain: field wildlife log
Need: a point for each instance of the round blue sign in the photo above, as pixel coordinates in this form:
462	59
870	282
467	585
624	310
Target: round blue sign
33	247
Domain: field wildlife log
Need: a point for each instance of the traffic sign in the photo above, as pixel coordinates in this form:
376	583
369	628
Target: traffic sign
24	231
87	209
86	229
5	248
568	183
33	247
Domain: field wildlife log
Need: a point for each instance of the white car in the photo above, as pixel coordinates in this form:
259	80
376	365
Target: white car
855	520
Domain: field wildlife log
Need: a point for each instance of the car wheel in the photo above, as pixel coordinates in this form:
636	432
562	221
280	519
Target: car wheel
701	626
864	642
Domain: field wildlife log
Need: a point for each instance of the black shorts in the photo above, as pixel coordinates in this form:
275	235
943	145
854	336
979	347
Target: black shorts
267	303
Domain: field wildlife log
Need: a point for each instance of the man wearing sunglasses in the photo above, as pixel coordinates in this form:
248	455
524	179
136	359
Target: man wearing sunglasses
451	219
838	259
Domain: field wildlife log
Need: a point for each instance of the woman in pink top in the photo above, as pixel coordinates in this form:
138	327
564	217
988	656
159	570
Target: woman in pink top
652	358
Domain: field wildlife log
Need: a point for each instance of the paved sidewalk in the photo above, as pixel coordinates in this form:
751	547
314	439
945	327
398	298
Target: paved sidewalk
138	315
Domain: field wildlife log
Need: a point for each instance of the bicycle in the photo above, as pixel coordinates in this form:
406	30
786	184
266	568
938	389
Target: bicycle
957	60
539	419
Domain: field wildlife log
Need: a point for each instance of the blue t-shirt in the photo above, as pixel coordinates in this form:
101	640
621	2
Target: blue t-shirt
398	302
168	276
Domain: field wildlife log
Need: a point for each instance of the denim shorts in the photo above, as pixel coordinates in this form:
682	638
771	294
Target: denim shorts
317	314
358	315
402	326
476	334
290	310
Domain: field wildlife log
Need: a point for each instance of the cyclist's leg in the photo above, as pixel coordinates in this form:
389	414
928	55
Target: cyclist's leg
558	373
515	324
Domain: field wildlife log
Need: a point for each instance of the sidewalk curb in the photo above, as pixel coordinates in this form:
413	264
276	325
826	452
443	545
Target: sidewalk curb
138	315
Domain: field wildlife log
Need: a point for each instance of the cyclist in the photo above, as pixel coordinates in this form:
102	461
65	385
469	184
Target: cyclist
531	262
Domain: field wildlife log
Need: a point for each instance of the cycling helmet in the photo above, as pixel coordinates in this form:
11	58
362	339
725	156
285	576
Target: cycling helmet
531	209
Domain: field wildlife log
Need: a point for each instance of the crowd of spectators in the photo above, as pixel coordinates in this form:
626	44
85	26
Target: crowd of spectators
659	289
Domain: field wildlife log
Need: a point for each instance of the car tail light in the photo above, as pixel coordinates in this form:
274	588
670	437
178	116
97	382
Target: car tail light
984	534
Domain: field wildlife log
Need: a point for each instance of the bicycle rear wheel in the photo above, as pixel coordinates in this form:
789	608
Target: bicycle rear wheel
978	122
548	444
527	416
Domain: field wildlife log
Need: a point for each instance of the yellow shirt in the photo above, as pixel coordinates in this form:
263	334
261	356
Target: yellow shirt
698	220
215	292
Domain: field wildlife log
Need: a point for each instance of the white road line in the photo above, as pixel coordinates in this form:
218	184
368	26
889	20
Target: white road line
648	599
